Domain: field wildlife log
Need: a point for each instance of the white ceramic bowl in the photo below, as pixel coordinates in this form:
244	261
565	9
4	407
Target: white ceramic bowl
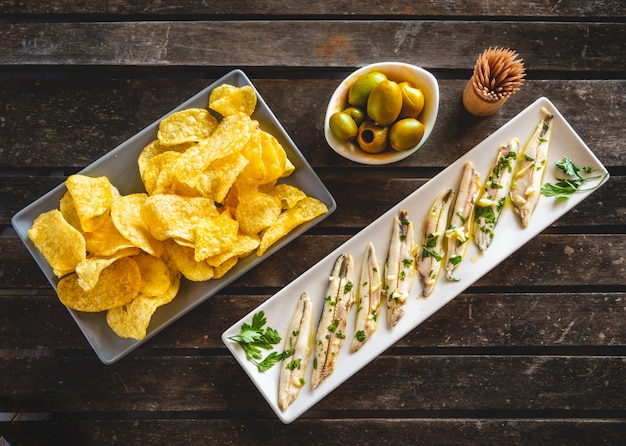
398	72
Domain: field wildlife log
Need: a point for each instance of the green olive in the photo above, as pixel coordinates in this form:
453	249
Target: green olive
362	87
372	138
412	101
343	126
356	113
385	102
406	134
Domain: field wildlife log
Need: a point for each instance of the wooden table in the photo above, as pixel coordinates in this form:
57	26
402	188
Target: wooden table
532	353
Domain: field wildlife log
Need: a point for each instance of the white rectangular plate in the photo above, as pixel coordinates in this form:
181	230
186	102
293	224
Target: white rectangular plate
509	236
120	166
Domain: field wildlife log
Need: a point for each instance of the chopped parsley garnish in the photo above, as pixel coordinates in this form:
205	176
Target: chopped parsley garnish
566	187
254	337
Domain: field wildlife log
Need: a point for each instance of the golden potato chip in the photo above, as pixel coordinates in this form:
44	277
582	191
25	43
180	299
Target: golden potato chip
182	257
277	165
67	208
188	125
175	216
255	170
228	100
62	245
221	270
215	235
126	216
243	247
155	275
92	199
132	319
118	284
151	163
231	135
106	240
218	178
256	211
306	209
287	194
88	271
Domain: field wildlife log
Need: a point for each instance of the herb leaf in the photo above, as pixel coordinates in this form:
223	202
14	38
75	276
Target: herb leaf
254	337
564	188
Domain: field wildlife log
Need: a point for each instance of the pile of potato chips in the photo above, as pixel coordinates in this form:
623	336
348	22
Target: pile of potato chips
211	199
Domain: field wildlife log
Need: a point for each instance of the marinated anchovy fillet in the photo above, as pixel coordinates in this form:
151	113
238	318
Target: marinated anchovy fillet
430	257
399	267
526	186
458	232
368	299
298	345
331	330
491	201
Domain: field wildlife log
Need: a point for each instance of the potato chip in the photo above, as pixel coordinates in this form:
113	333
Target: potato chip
156	158
182	257
255	170
215	235
67	208
175	216
228	100
155	275
126	216
287	194
217	179
62	245
221	270
256	211
131	320
277	165
231	135
106	240
92	199
118	284
243	247
306	209
188	125
88	271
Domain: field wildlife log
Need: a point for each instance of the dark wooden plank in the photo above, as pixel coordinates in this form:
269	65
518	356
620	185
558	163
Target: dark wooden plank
37	325
549	260
103	113
312	43
388	384
245	8
384	432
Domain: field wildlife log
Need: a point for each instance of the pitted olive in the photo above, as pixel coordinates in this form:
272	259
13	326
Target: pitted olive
412	101
343	126
361	89
385	102
405	134
372	138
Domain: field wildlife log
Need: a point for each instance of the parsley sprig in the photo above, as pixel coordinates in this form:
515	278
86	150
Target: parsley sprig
566	187
254	337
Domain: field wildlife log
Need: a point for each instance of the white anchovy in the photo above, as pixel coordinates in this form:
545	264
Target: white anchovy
458	232
298	342
531	168
399	267
491	201
331	330
368	299
430	257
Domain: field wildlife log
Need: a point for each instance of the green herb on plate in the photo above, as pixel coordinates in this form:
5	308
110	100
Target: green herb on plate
564	188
